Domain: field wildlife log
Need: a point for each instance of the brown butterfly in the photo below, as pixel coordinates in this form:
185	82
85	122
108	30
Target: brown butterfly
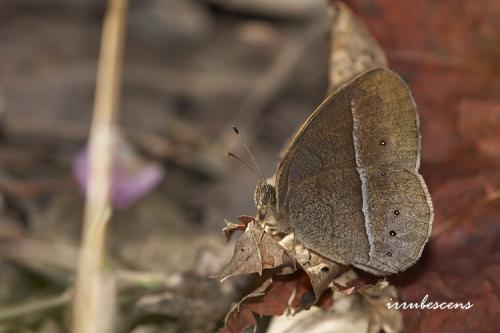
348	185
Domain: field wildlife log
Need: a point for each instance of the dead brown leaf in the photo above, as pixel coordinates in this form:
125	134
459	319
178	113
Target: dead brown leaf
231	228
353	50
284	293
254	252
320	270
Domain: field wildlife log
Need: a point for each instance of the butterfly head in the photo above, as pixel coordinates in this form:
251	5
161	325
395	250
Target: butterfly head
265	198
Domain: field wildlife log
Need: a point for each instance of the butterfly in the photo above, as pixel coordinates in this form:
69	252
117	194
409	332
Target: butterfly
348	184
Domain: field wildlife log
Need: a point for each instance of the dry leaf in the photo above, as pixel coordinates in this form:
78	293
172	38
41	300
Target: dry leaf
254	252
320	270
350	287
237	319
231	228
353	50
284	294
245	219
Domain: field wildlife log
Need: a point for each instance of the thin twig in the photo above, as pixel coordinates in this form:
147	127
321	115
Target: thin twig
88	307
35	307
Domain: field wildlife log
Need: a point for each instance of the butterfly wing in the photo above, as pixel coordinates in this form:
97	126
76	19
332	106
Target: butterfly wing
349	184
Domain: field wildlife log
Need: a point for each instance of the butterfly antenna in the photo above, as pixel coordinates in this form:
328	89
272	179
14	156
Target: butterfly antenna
260	173
229	154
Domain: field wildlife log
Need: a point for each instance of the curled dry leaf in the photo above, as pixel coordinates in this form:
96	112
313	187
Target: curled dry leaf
254	252
308	285
276	296
320	270
231	228
353	49
305	286
321	276
236	318
245	219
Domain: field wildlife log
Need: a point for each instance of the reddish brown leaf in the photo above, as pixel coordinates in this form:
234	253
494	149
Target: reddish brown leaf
286	292
245	219
350	287
231	228
325	301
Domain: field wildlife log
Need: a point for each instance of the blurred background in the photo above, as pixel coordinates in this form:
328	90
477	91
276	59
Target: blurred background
193	69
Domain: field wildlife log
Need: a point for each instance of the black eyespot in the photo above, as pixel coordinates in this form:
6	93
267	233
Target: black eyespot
396	212
324	269
242	250
392	233
383	173
389	254
382	142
